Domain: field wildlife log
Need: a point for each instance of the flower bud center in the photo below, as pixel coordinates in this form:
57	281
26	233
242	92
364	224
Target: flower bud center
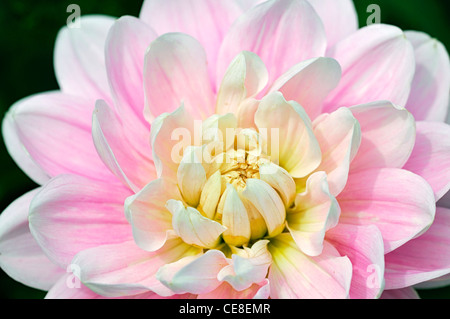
241	165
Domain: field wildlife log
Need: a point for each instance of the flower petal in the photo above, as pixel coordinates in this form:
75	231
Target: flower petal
388	135
377	64
288	130
436	283
298	276
417	38
19	153
405	293
191	176
209	199
125	48
315	212
126	269
309	83
246	113
444	201
175	72
280	180
226	291
421	259
65	288
429	98
192	227
72	213
234	218
36	119
197	275
282	33
399	202
430	157
80	60
363	245
171	134
339	137
147	213
124	161
245	78
338	16
248	267
268	203
20	255
204	20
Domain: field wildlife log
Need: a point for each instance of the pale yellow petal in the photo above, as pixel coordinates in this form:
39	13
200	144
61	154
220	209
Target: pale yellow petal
194	228
234	218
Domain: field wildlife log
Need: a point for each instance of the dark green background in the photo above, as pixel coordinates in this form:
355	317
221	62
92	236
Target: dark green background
27	33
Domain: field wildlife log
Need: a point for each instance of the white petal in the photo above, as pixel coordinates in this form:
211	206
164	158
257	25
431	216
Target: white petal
234	218
268	203
192	227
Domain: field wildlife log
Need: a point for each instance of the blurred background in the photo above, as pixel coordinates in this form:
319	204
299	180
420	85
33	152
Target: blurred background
28	31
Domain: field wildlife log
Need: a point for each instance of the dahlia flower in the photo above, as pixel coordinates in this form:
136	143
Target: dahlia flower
234	149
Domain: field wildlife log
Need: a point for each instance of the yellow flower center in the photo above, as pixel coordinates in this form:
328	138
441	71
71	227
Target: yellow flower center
243	192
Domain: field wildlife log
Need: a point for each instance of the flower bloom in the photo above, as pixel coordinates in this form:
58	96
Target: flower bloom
234	149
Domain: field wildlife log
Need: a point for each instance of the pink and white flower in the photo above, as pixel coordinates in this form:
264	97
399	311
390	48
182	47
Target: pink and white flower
234	149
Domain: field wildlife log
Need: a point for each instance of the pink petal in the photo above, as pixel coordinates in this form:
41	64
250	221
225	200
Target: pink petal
405	293
436	283
309	83
123	159
399	202
338	16
175	72
127	270
72	213
68	288
226	291
148	215
171	134
204	20
80	60
36	120
339	136
431	156
247	268
125	50
377	64
245	78
246	113
19	153
291	141
388	135
295	275
363	245
196	275
282	33
429	98
20	255
424	258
